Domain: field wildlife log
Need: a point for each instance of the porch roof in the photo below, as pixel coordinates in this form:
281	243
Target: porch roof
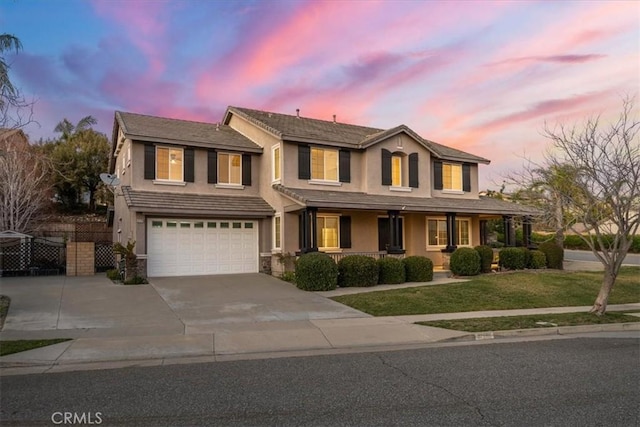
364	201
165	203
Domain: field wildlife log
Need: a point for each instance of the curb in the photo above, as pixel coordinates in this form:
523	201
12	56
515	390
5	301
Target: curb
560	330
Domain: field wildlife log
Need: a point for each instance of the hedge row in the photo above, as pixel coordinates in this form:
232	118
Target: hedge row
319	272
469	262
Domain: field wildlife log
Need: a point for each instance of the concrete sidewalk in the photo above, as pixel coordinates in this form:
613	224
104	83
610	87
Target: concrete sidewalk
272	339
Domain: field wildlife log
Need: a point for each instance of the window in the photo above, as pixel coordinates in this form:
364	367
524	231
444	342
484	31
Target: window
276	163
396	171
277	235
169	164
211	225
451	177
437	232
156	224
229	168
324	164
328	232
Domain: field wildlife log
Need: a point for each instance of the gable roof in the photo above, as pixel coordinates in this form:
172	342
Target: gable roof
141	127
303	129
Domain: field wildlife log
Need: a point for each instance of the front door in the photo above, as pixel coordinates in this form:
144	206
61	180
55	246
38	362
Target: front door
384	233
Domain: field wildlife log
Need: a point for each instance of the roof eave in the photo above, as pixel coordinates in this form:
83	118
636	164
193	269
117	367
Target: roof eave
199	144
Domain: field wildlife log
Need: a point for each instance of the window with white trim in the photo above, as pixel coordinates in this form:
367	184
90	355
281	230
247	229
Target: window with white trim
275	161
277	232
229	168
324	164
437	232
451	177
328	231
169	164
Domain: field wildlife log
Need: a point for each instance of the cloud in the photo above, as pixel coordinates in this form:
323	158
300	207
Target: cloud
550	58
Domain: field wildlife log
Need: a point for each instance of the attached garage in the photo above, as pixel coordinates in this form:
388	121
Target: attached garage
189	247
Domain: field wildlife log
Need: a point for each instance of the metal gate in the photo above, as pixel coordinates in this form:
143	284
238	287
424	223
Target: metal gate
32	257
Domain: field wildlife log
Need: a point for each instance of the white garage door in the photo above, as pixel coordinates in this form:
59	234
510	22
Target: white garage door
186	247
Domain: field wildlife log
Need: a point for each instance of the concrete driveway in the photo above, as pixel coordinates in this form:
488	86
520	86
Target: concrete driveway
93	306
209	303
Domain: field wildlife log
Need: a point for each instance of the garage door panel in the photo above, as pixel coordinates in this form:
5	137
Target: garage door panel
179	247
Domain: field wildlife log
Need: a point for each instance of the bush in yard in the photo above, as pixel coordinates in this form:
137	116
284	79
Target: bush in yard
357	270
465	262
538	259
418	269
113	274
391	271
554	254
527	256
316	272
513	259
486	258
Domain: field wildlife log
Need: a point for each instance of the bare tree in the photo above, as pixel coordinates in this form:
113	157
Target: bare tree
592	172
24	182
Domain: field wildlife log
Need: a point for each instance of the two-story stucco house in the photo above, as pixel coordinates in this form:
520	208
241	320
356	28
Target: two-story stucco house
205	198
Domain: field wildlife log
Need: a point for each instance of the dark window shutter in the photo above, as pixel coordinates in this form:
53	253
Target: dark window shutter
246	169
212	167
345	165
304	162
188	165
413	170
345	231
301	231
466	177
386	167
149	161
437	175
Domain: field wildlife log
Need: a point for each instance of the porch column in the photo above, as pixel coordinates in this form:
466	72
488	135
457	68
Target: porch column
308	229
484	238
394	233
509	231
526	231
452	232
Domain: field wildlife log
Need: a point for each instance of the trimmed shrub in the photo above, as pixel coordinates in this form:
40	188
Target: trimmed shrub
113	275
554	254
391	271
357	270
465	262
527	256
486	258
538	259
513	259
418	269
316	272
635	246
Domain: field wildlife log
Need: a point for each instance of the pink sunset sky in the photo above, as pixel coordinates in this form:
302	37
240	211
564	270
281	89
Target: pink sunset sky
480	76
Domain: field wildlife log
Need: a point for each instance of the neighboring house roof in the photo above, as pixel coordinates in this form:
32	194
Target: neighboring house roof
303	129
182	132
357	200
195	204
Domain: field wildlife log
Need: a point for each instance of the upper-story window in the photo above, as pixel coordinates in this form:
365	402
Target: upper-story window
169	164
229	168
396	171
276	163
324	164
399	171
452	177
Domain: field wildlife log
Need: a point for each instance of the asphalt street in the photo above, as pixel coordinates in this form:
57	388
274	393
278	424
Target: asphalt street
591	380
570	255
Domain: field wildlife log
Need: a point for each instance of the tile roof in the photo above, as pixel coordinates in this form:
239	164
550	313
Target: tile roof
166	203
304	129
357	200
173	131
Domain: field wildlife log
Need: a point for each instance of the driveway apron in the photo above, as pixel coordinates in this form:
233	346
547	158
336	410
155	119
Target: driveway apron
216	302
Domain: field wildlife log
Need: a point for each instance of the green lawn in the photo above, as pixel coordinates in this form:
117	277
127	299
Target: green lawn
528	289
528	322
